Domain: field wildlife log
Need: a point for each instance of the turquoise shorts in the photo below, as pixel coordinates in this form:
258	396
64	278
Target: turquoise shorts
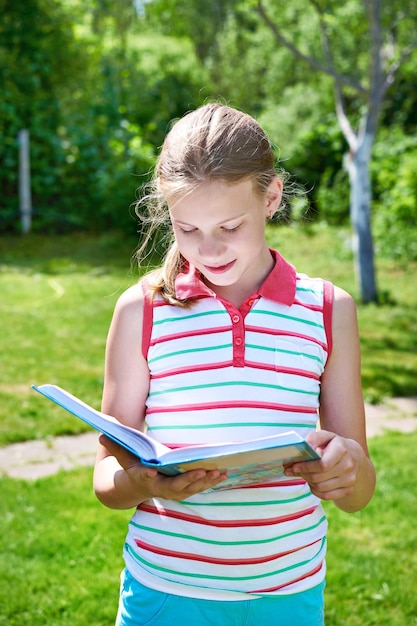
142	606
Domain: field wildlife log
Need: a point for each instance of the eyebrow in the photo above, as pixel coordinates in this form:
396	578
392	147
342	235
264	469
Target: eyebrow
232	219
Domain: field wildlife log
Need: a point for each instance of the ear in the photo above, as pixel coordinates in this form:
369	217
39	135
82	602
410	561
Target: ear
273	196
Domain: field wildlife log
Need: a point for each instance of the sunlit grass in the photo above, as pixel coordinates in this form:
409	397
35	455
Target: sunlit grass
372	556
62	553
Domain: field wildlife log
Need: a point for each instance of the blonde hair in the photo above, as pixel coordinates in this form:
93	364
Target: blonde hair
214	142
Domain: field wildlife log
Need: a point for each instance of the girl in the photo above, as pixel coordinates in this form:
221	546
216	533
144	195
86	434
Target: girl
226	342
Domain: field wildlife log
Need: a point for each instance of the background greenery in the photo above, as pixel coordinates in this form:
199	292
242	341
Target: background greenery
97	82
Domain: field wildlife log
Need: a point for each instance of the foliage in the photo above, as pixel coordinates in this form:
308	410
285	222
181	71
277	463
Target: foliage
200	22
395	174
35	43
94	127
97	84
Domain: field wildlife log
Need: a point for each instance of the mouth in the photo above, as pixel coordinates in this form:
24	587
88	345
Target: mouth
220	269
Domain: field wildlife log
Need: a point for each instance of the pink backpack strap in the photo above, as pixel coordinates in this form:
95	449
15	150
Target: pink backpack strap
328	299
147	318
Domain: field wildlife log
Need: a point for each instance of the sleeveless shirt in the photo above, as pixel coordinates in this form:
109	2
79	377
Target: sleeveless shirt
221	374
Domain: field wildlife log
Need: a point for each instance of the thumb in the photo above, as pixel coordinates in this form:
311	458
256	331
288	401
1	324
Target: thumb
124	457
320	439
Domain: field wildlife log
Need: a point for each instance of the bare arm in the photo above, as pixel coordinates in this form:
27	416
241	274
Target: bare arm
345	473
120	481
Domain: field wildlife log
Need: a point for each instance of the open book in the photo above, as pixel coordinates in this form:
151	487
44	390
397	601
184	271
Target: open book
257	461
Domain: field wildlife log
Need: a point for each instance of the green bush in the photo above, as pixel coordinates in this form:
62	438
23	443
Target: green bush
395	207
96	101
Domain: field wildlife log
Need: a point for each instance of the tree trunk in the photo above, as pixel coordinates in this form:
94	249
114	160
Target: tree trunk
360	215
25	198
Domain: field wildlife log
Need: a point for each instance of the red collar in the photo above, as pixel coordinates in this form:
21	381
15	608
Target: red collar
279	285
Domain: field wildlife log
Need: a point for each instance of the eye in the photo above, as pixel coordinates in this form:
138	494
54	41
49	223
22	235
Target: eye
231	230
187	231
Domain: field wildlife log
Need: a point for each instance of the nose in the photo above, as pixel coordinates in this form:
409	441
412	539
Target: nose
210	247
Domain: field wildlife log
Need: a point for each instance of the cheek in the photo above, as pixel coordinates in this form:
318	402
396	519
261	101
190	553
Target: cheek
185	243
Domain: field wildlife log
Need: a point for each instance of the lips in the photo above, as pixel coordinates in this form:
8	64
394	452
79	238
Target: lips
220	269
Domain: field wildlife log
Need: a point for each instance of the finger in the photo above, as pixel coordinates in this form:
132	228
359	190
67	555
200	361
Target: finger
189	483
331	490
198	480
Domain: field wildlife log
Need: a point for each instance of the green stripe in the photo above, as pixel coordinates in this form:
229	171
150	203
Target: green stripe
253	502
230	345
232	383
134	554
178	352
226	543
293	352
291	317
292	425
189	317
310	290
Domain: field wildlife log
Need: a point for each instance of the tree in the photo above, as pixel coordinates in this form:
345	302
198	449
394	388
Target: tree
96	88
383	40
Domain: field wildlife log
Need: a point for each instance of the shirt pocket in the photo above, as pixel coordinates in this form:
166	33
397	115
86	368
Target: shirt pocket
299	357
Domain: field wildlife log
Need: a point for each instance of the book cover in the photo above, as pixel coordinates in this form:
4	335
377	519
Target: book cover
257	461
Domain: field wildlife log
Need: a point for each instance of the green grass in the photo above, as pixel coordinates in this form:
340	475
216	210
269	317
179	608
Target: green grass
62	550
372	560
57	300
58	294
60	553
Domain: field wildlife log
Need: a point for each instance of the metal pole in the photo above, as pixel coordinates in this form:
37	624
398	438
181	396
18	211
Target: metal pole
25	198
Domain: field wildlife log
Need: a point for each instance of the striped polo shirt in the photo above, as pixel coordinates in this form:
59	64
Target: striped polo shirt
220	374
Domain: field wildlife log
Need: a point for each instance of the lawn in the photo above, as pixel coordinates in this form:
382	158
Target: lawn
61	549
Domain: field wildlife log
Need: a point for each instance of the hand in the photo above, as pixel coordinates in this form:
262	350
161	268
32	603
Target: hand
335	475
150	483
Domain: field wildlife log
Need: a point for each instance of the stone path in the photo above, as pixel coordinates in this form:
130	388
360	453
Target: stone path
36	459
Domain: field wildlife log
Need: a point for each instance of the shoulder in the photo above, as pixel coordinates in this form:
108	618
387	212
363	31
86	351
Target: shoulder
131	299
344	328
344	310
129	308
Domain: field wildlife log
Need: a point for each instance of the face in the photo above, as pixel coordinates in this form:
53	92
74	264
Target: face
220	229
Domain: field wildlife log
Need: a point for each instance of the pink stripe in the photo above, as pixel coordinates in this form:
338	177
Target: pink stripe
282	370
148	508
222	365
311	307
285	333
279	483
159	303
191	333
316	570
215	560
193	368
328	313
147	319
231	405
